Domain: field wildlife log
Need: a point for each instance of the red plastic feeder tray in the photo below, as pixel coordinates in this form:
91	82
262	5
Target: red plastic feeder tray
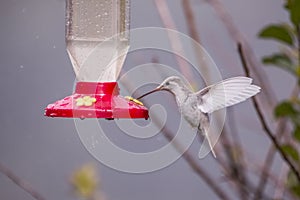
96	100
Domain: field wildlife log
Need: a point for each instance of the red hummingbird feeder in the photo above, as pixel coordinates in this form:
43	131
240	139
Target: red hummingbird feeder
97	38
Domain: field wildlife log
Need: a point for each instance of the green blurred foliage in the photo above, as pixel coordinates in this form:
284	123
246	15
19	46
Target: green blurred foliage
285	109
277	32
288	35
291	151
293	184
293	6
280	60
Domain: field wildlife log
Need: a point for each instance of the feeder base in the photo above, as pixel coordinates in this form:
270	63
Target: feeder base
96	100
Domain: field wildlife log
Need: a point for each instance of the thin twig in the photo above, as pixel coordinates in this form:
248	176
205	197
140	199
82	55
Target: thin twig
237	144
269	161
263	121
255	167
236	169
279	190
19	182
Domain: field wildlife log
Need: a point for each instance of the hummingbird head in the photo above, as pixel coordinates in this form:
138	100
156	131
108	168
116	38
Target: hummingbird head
170	84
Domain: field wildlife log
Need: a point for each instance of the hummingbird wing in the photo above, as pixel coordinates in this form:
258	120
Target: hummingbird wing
226	93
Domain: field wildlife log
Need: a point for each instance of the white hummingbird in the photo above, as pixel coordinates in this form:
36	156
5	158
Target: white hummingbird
196	106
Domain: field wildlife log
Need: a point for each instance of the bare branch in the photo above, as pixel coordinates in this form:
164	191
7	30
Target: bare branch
203	174
263	121
190	19
279	133
194	34
279	190
19	182
176	45
269	160
235	165
236	170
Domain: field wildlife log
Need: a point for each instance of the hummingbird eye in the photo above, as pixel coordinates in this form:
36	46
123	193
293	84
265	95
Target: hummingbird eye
167	83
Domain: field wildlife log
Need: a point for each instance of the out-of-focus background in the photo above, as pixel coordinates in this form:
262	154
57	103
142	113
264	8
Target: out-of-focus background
35	71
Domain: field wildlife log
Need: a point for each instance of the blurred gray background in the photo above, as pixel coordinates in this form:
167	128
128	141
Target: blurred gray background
35	71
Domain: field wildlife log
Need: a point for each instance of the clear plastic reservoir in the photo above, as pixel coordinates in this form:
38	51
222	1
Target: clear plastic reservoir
97	38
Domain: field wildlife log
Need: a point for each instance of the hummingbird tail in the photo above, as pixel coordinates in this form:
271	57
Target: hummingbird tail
210	146
206	137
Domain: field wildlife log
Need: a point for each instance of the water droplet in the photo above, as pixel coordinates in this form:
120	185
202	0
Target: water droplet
105	13
82	117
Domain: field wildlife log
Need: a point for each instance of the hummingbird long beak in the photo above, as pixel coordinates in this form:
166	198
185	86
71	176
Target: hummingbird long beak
155	90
